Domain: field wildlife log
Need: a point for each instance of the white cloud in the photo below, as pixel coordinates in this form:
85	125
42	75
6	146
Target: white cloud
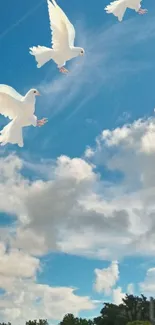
133	192
130	289
66	209
12	185
16	263
89	153
29	241
148	286
106	278
134	141
118	295
26	299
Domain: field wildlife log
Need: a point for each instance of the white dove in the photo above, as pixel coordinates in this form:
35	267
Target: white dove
20	109
118	7
63	35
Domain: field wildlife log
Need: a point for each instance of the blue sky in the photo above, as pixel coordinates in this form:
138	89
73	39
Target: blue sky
76	202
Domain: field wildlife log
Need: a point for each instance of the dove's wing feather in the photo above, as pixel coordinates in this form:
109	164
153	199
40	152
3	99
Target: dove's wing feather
10	91
59	28
9	106
69	25
134	4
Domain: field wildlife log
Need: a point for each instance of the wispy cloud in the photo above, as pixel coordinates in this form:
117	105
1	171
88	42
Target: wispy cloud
18	22
123	118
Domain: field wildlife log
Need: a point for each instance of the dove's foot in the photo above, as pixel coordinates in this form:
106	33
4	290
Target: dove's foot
142	11
42	122
63	70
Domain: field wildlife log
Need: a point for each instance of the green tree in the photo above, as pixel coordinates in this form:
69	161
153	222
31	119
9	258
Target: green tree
132	308
84	321
111	314
145	308
136	308
69	319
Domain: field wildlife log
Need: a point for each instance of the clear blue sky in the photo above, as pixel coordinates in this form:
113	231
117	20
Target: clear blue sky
111	86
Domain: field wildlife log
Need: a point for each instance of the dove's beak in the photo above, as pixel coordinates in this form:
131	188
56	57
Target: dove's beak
38	93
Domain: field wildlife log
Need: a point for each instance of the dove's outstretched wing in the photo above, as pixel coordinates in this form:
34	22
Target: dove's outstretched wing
10	91
134	4
69	25
9	105
63	32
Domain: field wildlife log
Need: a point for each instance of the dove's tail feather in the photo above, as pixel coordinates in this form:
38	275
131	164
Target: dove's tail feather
42	54
117	8
12	133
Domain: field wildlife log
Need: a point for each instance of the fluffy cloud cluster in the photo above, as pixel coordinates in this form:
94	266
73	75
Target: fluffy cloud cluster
74	210
106	278
118	295
128	153
32	235
130	289
54	214
24	297
10	260
148	286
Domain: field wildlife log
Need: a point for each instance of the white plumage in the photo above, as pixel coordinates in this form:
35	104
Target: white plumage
63	35
118	7
20	109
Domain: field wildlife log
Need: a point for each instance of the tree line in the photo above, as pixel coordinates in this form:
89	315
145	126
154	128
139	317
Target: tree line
133	310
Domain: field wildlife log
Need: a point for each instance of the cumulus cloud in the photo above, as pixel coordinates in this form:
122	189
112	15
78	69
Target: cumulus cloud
13	186
74	210
129	151
27	265
132	141
25	298
65	211
130	289
29	242
118	295
148	285
28	299
106	278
